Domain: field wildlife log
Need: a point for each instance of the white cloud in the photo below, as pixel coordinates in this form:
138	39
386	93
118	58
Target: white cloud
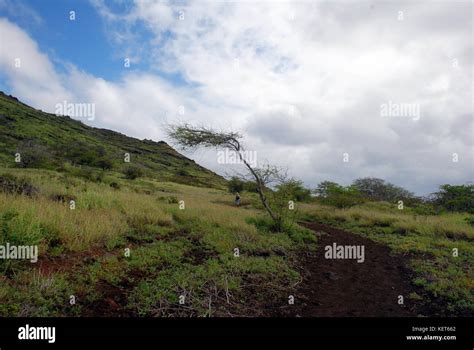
30	73
304	80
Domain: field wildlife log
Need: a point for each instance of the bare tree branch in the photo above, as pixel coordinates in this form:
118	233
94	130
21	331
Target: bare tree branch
189	137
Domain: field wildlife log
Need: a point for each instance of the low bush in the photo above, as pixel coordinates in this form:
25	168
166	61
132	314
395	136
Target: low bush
132	172
115	185
12	185
169	199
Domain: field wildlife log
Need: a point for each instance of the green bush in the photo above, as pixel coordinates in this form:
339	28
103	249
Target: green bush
295	190
296	233
470	220
424	209
13	185
455	198
115	185
237	185
183	172
169	199
132	172
33	155
342	197
104	164
20	230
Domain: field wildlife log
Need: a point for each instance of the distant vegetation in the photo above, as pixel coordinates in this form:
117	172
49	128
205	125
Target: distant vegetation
455	198
236	184
449	198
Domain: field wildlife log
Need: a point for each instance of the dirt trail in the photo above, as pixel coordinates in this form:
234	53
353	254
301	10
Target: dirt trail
330	287
342	287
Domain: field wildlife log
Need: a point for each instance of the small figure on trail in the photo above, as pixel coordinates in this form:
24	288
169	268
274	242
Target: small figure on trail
237	199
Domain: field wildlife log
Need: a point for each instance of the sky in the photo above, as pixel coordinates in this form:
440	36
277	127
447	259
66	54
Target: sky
330	90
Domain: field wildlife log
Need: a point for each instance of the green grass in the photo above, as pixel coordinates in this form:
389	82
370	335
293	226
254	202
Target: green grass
46	141
190	252
173	251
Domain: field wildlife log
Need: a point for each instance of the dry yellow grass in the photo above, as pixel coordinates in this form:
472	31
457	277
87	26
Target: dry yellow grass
102	213
450	225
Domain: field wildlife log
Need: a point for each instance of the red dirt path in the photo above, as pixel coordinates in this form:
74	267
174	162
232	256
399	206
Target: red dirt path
342	287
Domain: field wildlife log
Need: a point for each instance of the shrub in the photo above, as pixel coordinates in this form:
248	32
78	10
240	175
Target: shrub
13	185
104	164
182	172
114	185
62	198
455	198
170	199
342	197
33	155
470	220
296	233
295	190
235	185
132	172
83	153
250	186
424	209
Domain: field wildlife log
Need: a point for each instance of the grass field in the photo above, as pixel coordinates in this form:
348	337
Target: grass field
149	248
138	249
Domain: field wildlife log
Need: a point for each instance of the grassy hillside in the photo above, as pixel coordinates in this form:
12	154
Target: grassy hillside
127	246
47	141
174	251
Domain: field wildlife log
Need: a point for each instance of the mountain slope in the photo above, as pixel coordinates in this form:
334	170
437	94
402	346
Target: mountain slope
30	138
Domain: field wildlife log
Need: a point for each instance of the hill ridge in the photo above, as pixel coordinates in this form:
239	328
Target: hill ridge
46	140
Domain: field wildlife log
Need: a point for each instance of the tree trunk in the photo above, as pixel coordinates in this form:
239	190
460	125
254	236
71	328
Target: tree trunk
260	189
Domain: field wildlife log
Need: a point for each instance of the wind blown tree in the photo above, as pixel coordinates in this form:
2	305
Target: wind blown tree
189	137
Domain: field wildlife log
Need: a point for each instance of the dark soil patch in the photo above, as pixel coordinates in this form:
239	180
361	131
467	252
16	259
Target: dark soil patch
69	261
344	287
111	303
199	254
113	298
